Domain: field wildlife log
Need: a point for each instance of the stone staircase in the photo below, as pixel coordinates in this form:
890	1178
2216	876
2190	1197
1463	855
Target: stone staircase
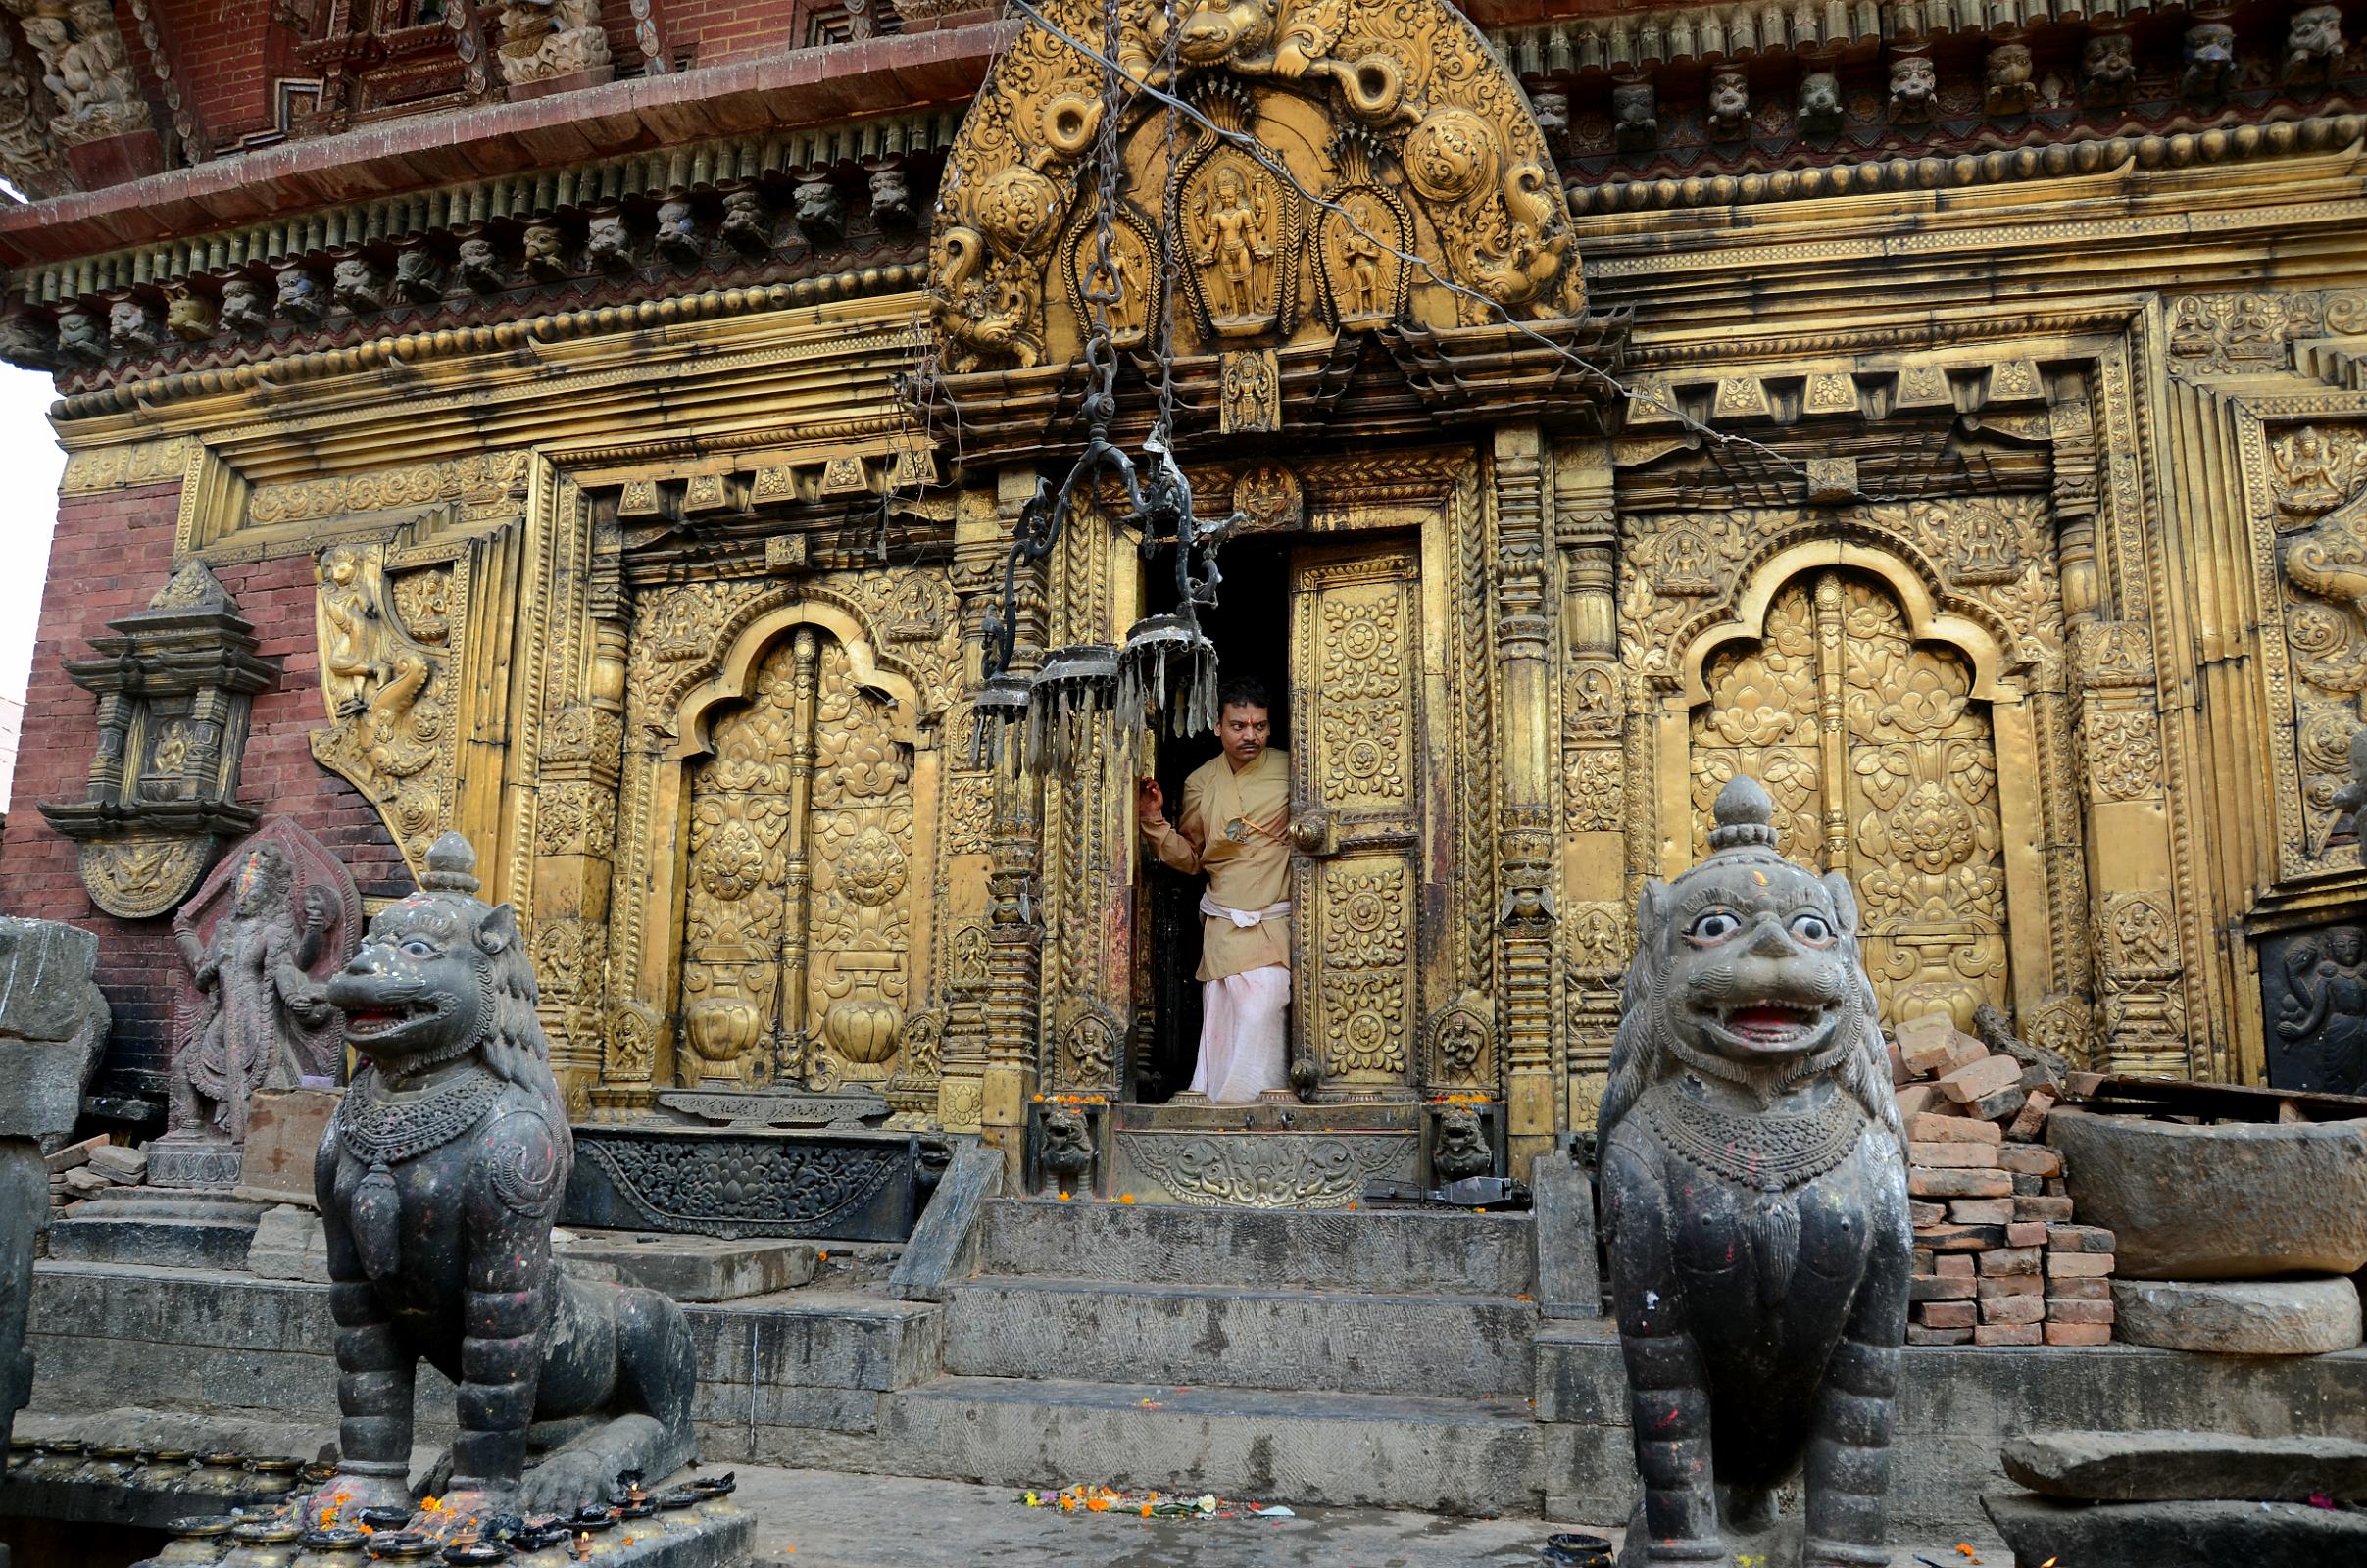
1382	1359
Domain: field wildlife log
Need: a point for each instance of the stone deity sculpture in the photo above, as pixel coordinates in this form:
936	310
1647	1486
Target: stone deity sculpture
1755	1203
438	1183
255	998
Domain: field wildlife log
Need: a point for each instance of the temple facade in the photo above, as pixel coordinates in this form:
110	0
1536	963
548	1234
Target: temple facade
601	428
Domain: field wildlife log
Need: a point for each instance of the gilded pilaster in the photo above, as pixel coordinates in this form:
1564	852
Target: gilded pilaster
1014	936
1593	772
1526	916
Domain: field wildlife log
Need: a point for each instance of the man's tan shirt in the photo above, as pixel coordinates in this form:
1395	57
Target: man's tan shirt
1249	867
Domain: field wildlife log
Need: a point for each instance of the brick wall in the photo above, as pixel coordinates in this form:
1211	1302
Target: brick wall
728	29
227	51
111	554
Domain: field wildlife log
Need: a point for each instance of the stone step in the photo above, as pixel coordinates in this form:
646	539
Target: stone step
1228	1337
1461	1456
1449	1250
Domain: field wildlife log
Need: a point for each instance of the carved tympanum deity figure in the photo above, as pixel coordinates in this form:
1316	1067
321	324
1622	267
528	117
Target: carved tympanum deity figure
1914	89
1754	1206
2313	45
1820	103
252	990
438	1183
364	663
1729	105
1230	240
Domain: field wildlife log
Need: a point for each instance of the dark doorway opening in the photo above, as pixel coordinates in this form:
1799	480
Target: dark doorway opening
1250	624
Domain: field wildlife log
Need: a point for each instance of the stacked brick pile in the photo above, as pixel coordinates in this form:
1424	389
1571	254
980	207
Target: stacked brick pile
1998	1257
91	1167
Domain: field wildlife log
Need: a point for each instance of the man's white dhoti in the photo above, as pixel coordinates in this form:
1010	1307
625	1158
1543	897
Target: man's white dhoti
1241	1036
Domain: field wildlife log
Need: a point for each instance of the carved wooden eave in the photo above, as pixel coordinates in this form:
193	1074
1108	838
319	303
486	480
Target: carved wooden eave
174	684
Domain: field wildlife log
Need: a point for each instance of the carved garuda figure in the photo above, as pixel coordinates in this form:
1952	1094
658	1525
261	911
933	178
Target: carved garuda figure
438	1183
255	998
1755	1206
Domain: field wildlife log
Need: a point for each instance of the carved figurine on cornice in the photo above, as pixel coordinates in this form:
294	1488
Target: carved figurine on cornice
299	297
81	338
1820	103
481	268
544	40
2107	69
245	308
27	341
2313	46
131	325
355	283
85	69
1729	106
678	238
546	255
1552	106
1634	122
1914	89
821	212
608	243
191	316
890	194
747	225
2210	62
419	275
1440	128
2009	70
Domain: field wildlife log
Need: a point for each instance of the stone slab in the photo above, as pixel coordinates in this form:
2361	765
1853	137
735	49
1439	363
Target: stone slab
53	1027
833	1186
695	1268
1957	1406
289	1244
1400	1250
2179	1466
1200	1335
1450	1456
1177	1162
1569	1274
2153	1534
2286	1198
283	1135
158	1228
945	1241
193	1163
2238	1317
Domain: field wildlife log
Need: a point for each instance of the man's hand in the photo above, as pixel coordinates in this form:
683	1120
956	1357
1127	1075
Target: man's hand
1150	802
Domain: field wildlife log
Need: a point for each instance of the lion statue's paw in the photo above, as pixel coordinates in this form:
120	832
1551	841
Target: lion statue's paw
566	1481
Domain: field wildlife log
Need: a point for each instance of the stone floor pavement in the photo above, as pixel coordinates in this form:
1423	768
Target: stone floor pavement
823	1519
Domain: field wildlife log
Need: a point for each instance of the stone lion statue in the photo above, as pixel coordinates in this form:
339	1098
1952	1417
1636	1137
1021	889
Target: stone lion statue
438	1182
1754	1207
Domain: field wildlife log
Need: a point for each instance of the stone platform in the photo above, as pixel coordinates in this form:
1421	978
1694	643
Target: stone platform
1380	1360
741	1181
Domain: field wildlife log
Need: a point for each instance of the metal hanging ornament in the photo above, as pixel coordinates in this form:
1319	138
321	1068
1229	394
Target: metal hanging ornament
1167	665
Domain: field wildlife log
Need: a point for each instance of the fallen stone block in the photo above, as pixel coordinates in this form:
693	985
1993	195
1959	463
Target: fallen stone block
2155	1535
128	1166
2183	1466
2238	1317
2283	1197
289	1244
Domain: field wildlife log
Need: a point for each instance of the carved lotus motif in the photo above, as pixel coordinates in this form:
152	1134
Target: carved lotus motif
863	1030
721	1029
1932	826
872	869
733	865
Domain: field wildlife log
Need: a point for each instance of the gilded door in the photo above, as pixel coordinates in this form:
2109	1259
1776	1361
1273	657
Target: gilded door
1356	661
797	925
1881	765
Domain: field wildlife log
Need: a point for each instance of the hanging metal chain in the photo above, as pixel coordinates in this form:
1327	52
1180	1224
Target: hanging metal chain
1102	287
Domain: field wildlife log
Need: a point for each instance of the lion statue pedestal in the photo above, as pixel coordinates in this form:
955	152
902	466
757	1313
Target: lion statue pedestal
1755	1203
438	1181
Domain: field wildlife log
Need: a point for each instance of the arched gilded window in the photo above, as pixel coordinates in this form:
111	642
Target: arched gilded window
1882	764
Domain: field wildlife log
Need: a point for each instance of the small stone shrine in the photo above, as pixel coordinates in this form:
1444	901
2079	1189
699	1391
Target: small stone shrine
1754	1208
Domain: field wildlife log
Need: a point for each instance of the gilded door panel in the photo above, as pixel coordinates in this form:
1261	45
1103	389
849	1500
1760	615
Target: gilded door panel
1357	661
1881	765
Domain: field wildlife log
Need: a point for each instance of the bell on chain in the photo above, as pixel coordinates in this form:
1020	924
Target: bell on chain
998	710
1169	667
1072	692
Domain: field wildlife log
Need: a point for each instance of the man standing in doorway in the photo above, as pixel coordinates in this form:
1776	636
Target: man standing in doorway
1236	827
